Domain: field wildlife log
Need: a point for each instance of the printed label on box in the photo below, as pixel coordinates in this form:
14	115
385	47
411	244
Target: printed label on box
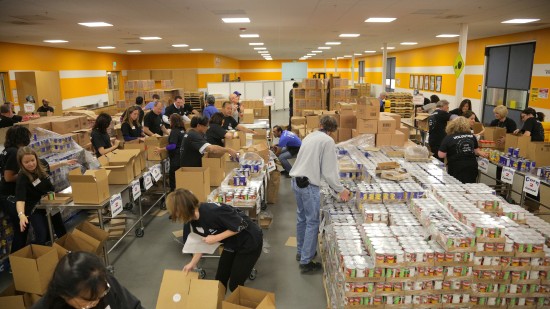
271	166
116	204
483	165
136	190
155	172
147	180
269	101
531	185
507	175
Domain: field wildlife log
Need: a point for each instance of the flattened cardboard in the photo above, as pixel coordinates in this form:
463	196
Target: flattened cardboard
194	179
153	142
248	298
99	236
33	267
92	187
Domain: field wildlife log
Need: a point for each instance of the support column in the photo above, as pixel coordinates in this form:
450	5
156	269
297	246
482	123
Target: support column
352	68
384	64
325	60
335	65
462	46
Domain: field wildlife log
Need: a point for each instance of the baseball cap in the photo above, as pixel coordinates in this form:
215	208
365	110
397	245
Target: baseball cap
237	93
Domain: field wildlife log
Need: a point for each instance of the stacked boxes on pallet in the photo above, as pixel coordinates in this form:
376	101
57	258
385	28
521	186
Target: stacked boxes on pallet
400	103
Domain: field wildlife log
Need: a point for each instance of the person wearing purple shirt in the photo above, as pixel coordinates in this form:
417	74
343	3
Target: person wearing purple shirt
210	109
288	147
151	104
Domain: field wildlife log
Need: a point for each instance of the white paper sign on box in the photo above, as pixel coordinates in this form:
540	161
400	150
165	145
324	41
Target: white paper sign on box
147	180
483	165
156	172
136	190
531	185
507	175
116	204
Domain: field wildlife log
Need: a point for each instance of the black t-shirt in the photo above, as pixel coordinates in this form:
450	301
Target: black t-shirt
229	121
141	114
217	218
175	137
44	109
216	134
172	109
291	98
130	132
457	111
17	118
6	122
536	129
508	123
9	163
153	122
187	108
100	140
194	145
437	122
459	147
30	191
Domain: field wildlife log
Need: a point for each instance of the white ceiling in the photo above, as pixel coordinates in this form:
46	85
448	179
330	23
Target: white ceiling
289	28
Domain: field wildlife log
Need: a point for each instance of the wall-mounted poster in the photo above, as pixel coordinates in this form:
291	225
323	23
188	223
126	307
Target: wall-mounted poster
421	82
432	82
426	81
416	82
411	81
438	83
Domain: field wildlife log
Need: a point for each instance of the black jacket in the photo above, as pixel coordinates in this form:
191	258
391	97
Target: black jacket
117	298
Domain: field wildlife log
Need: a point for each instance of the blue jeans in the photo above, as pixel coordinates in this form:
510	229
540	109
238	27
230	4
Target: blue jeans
284	157
307	220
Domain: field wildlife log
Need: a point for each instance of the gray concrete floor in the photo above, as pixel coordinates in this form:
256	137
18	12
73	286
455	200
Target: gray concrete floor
140	262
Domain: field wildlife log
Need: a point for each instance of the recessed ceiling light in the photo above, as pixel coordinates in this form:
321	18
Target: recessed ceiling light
380	19
150	38
263	52
447	36
389	47
520	21
55	41
302	58
369	51
260	48
357	54
311	54
333	43
324	47
349	35
236	20
316	51
408	43
256	44
180	45
249	35
269	59
106	47
347	56
195	49
134	51
96	24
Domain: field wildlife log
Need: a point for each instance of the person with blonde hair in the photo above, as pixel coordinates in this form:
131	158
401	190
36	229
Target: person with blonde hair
502	120
242	239
460	147
131	127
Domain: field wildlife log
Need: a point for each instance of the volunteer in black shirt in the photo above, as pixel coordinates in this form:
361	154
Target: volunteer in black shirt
5	119
152	122
472	118
291	104
175	140
502	120
460	147
242	239
436	125
175	108
465	105
131	127
80	280
45	107
229	123
216	134
101	141
531	127
33	182
139	103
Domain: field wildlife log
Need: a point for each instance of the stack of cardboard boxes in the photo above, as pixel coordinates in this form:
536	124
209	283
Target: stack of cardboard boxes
400	103
310	97
259	111
363	89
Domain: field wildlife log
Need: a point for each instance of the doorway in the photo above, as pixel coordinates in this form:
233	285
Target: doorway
390	75
113	78
3	81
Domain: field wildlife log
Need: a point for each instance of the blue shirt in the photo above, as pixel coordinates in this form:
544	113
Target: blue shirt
289	139
209	111
150	105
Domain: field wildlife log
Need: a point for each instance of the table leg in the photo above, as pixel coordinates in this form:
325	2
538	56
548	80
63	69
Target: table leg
102	226
50	225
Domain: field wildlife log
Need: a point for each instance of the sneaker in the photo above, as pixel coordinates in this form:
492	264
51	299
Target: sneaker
299	257
310	267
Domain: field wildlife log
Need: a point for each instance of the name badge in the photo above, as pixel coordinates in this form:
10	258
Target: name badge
134	127
36	182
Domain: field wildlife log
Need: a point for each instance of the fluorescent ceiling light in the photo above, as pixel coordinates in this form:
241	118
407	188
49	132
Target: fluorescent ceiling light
263	52
311	55
268	59
249	35
134	51
324	47
96	24
369	51
106	47
380	19
447	36
408	43
349	35
316	51
260	48
195	49
180	45
357	54
389	47
236	20
150	38
347	56
333	43
256	44
520	21
55	41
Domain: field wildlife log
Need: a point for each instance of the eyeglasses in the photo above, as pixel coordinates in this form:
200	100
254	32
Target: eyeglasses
91	304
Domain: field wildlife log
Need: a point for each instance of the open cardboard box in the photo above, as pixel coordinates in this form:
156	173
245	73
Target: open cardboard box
11	299
92	187
121	166
75	241
142	154
33	267
216	163
179	290
153	142
248	298
194	179
97	237
121	155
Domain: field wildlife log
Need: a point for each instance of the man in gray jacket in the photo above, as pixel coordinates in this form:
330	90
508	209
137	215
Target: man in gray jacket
316	160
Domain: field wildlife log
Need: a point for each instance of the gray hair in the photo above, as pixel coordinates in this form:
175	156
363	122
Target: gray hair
328	123
442	103
210	99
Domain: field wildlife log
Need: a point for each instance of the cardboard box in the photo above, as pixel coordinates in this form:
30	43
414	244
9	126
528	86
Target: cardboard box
216	163
518	141
539	152
366	126
233	143
395	117
248	116
368	108
98	235
92	187
405	130
11	299
383	139
83	136
242	137
296	120
262	149
33	268
153	142
43	122
354	133
248	298
386	125
312	122
140	150
422	121
495	134
194	179
398	139
121	166
348	119
66	124
477	127
230	165
179	290
344	134
75	241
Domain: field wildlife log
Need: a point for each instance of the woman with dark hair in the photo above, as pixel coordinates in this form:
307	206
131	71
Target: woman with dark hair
81	281
216	134
101	141
434	98
531	127
242	239
174	145
465	105
540	116
471	116
131	127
